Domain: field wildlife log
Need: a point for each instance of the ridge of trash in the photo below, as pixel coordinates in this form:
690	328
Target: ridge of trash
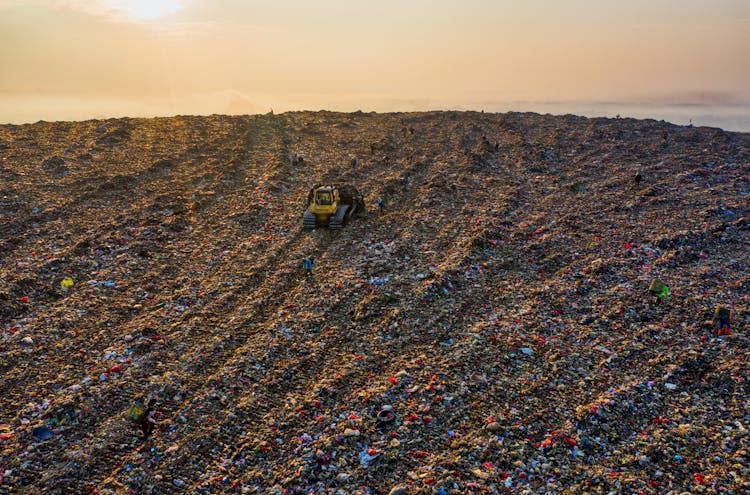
486	329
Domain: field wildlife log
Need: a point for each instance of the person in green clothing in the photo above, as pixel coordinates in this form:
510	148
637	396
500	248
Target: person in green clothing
659	290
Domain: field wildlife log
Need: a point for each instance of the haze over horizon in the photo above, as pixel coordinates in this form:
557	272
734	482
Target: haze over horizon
78	59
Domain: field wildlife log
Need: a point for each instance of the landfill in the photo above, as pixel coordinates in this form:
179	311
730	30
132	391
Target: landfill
486	327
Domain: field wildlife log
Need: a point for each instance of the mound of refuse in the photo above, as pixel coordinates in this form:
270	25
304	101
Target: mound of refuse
485	327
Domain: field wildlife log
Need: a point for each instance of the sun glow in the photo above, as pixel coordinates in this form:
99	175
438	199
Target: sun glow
145	10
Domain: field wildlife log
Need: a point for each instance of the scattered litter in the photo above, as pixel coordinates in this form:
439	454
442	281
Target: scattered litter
491	330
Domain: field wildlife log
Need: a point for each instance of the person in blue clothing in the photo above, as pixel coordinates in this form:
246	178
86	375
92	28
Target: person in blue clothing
307	265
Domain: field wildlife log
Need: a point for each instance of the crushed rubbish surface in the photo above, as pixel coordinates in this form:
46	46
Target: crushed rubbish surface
486	328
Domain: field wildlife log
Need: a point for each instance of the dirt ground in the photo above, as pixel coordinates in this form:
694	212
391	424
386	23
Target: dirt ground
489	330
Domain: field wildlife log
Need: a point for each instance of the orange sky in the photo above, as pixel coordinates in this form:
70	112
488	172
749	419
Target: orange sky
77	59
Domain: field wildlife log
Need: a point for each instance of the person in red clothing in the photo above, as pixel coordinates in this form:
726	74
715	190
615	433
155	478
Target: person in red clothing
722	320
149	419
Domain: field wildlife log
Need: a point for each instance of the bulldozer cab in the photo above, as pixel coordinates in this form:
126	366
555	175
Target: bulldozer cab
324	197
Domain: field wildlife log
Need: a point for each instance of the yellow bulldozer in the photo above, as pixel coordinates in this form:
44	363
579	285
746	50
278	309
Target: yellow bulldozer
332	206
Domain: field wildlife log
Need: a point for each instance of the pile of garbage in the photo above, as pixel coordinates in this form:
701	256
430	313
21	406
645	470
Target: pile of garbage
486	327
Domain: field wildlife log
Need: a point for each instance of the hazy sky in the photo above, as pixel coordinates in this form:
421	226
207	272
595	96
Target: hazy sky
75	59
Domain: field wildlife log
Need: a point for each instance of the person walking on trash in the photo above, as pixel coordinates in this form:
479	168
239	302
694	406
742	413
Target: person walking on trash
148	422
722	320
659	290
307	265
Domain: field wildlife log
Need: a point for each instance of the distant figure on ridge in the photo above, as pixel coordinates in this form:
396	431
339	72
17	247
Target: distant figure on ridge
638	177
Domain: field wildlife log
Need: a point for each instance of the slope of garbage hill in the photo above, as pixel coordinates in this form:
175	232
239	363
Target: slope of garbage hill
488	330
